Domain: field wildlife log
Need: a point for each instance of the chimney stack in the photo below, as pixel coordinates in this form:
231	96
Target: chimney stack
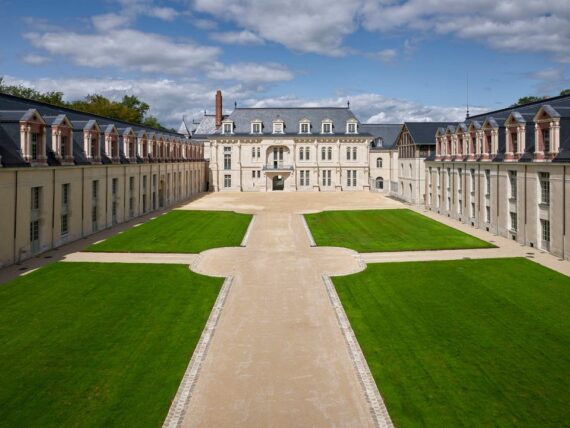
218	108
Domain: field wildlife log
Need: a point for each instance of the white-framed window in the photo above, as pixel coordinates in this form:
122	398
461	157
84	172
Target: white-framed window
256	127
36	193
544	179
348	153
228	128
323	153
487	182
65	194
545	232
326	127
227	180
278	127
253	152
326	177
64	224
307	153
227	157
354	153
304	128
302	153
513	185
329	153
351	128
379	163
351	178
304	177
514	221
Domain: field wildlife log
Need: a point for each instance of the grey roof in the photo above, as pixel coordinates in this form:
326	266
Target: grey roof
206	126
13	109
423	133
242	118
385	135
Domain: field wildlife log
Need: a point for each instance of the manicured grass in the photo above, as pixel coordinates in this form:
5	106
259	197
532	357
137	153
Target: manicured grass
465	343
180	231
368	231
93	344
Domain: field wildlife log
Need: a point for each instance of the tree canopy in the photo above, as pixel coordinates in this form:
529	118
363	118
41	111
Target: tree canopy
129	109
531	99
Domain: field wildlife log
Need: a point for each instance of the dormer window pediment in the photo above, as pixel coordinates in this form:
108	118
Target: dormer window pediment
352	126
304	126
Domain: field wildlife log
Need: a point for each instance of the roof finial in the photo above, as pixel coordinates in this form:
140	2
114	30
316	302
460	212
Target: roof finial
235	105
348	104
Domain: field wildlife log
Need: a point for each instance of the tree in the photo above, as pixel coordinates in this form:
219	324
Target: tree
129	109
565	92
528	100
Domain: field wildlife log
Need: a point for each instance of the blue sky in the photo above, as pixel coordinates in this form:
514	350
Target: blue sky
394	60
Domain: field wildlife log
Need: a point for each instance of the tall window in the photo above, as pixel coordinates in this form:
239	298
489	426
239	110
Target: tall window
327	128
65	194
94	148
329	153
115	186
487	182
545	226
304	178
351	178
36	192
323	153
515	142
379	163
326	177
348	153
544	178
354	152
34	148
228	128
94	189
546	139
307	153
513	184
63	145
256	128
253	152
227	158
514	221
227	180
302	153
64	224
352	128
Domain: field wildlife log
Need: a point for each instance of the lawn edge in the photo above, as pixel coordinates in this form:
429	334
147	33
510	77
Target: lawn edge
377	407
312	242
245	239
179	405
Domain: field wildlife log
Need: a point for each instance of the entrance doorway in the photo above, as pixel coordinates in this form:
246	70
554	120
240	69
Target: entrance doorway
278	182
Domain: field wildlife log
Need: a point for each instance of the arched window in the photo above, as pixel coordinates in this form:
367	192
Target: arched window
379	163
301	153
379	183
329	153
323	153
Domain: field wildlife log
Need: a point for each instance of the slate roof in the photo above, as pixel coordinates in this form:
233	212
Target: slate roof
13	109
385	135
291	116
423	133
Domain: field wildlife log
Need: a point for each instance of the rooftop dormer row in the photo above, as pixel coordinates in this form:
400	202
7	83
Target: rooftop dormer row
517	138
58	140
303	127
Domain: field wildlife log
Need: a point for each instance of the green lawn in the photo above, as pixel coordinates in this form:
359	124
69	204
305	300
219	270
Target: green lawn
93	344
180	231
386	230
465	343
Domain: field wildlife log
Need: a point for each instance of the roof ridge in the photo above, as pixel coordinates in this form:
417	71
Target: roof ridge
544	101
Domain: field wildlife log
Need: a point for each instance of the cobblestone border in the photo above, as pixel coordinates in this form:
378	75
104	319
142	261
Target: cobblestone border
247	232
308	231
179	405
377	407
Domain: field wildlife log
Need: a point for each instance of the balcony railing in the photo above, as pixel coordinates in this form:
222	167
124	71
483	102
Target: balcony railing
277	167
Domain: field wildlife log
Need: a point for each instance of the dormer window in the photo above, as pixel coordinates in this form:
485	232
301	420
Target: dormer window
351	127
227	128
326	127
256	127
32	137
304	128
546	140
278	127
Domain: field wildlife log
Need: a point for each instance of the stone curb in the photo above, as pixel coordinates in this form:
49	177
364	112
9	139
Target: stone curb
308	231
248	231
378	409
179	405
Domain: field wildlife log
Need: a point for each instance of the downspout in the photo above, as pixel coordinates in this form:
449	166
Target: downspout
53	207
16	218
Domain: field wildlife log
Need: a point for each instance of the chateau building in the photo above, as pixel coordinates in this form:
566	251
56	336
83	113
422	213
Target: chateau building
507	172
294	149
65	174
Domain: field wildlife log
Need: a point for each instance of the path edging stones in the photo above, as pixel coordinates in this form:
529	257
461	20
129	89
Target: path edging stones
378	409
308	231
248	231
179	405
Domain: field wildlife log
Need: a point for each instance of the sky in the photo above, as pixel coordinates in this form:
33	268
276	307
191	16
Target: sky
394	60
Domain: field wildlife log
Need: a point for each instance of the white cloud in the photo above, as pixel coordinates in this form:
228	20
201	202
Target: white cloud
519	26
374	108
250	73
126	49
110	21
550	81
244	37
33	59
164	13
316	26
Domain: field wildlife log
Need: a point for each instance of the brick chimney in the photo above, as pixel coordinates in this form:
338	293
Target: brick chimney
218	108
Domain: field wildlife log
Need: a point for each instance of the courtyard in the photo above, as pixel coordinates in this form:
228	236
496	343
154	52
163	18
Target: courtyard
283	352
